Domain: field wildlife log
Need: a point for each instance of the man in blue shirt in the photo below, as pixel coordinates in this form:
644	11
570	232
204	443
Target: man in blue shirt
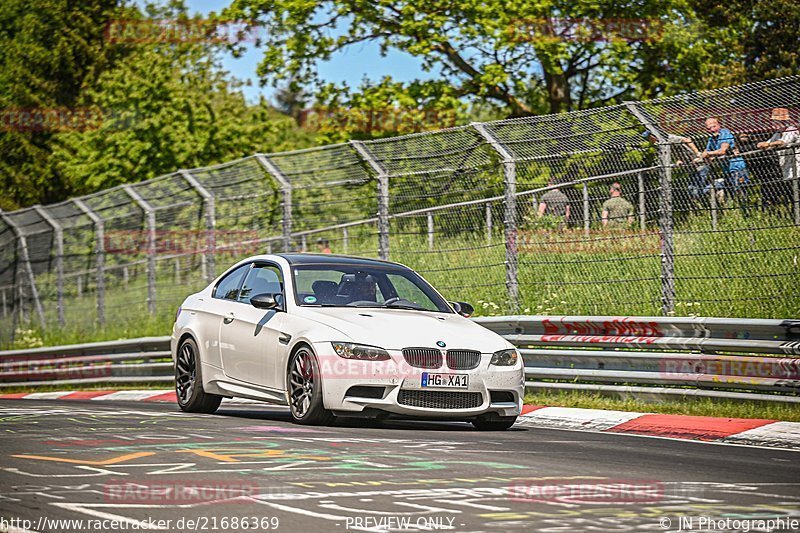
722	144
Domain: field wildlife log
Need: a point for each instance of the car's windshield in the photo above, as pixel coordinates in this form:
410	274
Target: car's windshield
341	285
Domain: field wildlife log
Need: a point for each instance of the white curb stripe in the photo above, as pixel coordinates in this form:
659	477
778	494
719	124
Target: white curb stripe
574	418
782	434
129	395
46	395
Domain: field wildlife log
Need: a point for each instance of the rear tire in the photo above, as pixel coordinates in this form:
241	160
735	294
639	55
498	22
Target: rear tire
495	424
189	381
304	384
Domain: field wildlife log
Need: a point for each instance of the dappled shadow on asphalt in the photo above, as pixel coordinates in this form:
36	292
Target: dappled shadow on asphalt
277	414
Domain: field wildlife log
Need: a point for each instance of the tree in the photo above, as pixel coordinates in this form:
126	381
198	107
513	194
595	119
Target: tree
50	50
129	110
772	48
530	56
164	108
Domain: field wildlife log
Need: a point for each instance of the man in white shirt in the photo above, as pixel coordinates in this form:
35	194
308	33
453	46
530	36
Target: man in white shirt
785	134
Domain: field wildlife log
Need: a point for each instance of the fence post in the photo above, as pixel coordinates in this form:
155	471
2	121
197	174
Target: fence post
19	316
665	214
150	214
712	202
488	223
100	260
383	197
22	244
667	236
345	240
211	223
796	186
58	237
430	231
587	221
642	204
286	193
510	199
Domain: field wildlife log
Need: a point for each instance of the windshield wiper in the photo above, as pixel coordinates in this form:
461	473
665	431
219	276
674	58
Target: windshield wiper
403	304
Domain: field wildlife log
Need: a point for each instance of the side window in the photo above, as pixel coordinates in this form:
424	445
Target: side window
228	287
262	279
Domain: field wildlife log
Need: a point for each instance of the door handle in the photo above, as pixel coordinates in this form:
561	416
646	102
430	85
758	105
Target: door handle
228	318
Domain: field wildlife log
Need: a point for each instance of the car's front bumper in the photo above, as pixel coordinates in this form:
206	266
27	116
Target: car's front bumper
339	376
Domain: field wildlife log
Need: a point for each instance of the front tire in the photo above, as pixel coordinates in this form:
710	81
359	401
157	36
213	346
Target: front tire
304	383
189	382
495	424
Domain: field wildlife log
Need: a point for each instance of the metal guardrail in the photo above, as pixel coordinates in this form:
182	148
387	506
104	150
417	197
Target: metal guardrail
708	357
140	360
650	357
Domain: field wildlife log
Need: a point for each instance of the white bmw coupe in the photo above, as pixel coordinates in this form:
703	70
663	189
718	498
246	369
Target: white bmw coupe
332	335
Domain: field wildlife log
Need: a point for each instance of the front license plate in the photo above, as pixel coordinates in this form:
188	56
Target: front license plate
448	381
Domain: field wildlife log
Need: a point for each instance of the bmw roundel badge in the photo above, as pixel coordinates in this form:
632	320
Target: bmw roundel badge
440	344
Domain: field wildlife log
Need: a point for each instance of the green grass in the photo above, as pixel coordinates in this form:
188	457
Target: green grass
685	406
747	268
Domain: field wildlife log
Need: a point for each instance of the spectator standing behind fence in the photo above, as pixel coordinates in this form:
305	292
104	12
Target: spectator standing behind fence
785	133
554	203
721	143
324	246
684	151
617	211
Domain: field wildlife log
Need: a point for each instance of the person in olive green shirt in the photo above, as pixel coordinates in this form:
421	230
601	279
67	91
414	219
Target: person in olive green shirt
617	211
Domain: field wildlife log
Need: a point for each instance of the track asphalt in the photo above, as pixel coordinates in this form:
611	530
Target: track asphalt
119	465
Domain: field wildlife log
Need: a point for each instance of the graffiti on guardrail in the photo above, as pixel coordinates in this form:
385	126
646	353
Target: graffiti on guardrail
792	328
612	327
791	348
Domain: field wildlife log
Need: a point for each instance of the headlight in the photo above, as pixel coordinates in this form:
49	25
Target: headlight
349	350
504	358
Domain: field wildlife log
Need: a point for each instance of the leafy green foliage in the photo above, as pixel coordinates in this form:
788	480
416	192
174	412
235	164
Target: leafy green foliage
50	50
138	109
167	108
530	57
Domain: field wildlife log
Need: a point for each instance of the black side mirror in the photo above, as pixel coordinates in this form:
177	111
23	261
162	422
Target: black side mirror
267	301
463	308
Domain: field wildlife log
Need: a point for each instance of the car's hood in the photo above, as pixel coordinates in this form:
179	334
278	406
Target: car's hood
394	329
